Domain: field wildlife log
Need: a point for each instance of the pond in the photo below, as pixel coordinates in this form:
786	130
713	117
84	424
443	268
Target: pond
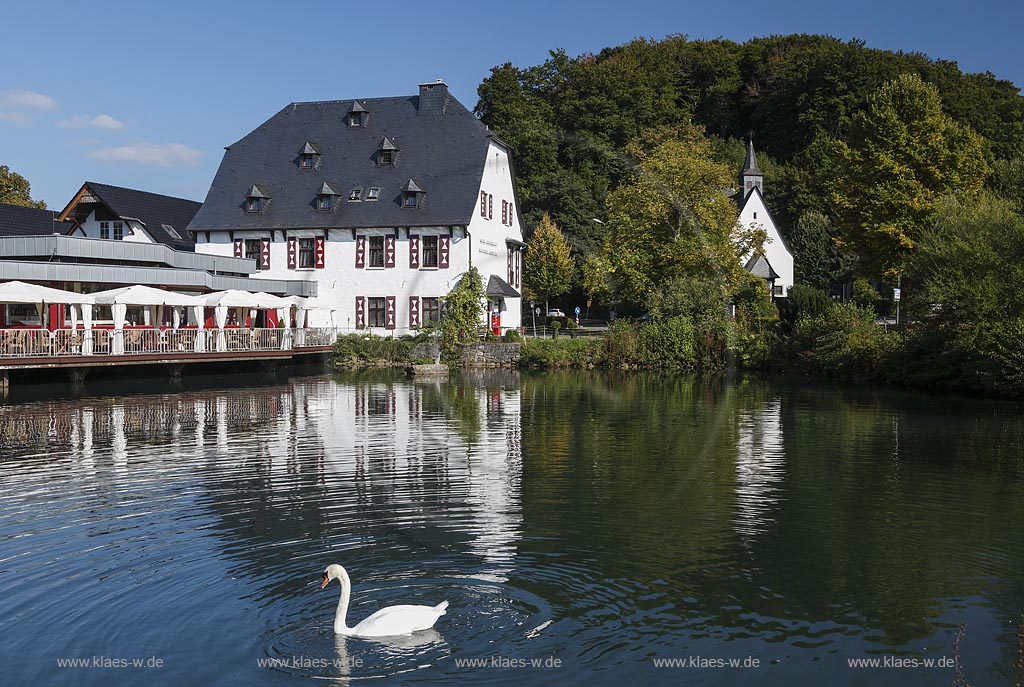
585	528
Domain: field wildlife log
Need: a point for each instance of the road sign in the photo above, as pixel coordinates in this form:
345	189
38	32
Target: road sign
896	294
577	310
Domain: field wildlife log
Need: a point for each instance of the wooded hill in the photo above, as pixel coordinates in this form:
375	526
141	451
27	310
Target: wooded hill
570	118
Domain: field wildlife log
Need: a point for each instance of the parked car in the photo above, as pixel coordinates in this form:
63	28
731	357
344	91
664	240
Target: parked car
555	312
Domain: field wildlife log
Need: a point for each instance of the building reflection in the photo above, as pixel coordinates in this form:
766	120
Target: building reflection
760	467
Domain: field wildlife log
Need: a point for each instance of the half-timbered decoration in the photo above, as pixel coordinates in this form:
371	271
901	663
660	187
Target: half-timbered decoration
383	237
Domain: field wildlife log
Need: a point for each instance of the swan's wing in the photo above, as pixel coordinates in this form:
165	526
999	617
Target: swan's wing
398	620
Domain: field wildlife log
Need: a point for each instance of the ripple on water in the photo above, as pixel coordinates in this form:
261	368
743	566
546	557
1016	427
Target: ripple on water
482	614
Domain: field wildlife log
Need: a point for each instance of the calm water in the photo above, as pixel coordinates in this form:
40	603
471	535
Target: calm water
596	521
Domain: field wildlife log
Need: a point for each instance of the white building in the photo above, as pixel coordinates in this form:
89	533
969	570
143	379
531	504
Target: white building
113	213
776	264
385	203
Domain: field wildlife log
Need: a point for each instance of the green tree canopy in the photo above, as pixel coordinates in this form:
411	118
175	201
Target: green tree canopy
548	263
15	189
673	218
904	153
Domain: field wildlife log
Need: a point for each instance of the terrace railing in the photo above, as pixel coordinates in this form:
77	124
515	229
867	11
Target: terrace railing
63	343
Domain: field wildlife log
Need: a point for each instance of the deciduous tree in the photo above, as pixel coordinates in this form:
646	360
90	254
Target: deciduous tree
15	189
548	263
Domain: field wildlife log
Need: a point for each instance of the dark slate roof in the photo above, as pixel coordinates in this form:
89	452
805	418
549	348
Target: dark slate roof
499	288
759	266
153	210
19	221
750	164
443	153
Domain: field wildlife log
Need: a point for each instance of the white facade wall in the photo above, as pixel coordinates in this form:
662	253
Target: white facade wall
490	252
339	281
755	213
133	231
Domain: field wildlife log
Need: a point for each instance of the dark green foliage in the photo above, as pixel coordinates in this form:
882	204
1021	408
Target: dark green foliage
845	342
569	119
802	301
512	336
817	260
367	348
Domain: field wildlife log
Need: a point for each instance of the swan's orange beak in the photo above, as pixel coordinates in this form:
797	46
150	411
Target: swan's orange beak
324	583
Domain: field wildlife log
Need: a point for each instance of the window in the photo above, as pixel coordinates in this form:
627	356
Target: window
355	119
253	249
375	312
429	251
119	231
409	199
373	194
777	290
483	203
307	253
384	158
306	161
171	231
376	251
755	215
104	230
356	195
254	205
324	202
431	308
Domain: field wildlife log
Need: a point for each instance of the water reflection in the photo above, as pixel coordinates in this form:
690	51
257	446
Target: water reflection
602	519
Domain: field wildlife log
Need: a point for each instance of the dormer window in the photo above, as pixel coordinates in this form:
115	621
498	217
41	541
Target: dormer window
256	199
325	197
358	115
355	195
387	153
373	194
412	194
308	156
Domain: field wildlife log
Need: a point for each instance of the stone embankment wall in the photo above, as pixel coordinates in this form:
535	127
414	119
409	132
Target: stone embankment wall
491	355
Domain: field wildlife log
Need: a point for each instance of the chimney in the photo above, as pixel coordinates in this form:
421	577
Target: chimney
433	98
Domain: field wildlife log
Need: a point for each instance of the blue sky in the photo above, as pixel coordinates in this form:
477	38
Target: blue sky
147	94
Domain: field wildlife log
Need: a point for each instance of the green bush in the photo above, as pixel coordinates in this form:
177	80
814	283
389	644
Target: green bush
803	300
560	353
620	347
511	336
369	348
668	343
845	342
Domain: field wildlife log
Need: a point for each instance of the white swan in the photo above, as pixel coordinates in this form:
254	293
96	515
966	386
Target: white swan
387	622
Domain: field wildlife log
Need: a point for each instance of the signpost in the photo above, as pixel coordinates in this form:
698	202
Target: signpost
896	293
577	315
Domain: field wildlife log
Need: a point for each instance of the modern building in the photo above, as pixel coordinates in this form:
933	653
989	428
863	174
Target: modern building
384	203
37	247
775	264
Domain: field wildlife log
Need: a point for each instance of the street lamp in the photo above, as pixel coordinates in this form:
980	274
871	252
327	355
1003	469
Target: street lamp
534	316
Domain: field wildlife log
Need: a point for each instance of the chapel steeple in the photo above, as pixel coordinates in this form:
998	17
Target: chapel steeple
751	176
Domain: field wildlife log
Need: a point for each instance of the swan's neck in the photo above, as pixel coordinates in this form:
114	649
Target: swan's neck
340	626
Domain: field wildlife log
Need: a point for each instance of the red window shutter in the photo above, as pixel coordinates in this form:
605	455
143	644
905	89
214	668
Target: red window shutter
264	254
519	268
511	270
414	252
390	316
360	252
443	249
504	212
483	203
238	248
414	311
292	253
510	215
389	251
360	312
321	250
490	206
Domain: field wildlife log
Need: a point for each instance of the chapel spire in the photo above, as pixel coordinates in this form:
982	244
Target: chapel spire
751	175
